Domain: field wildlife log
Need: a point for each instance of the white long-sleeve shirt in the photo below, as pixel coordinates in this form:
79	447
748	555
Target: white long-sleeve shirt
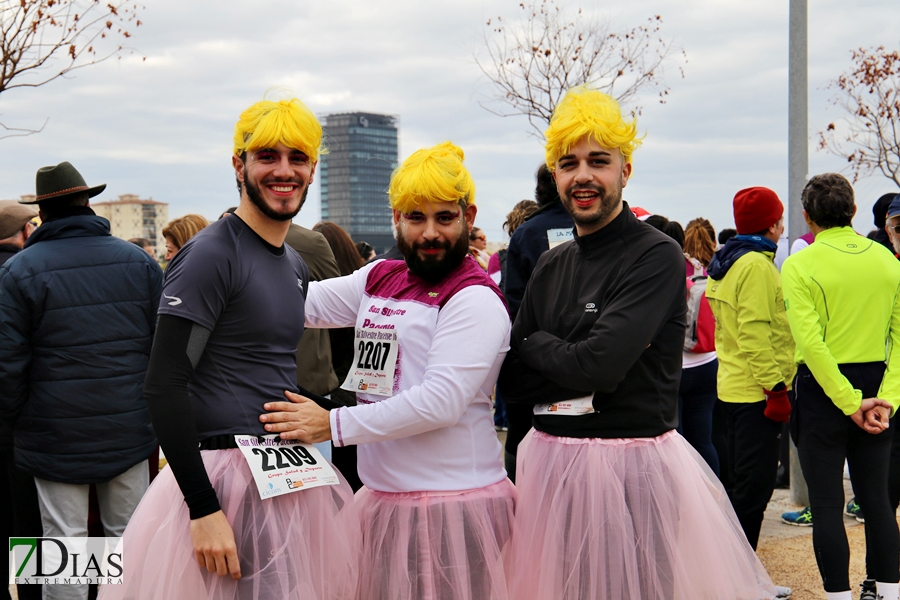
435	433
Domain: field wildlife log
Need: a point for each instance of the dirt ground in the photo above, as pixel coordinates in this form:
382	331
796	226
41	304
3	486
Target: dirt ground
787	552
790	562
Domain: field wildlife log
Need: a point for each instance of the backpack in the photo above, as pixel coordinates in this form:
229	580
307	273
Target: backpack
700	334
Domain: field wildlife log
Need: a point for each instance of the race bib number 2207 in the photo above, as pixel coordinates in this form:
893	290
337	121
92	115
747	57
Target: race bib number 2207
374	362
284	466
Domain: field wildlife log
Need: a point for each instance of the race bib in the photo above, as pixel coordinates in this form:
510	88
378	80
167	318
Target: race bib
374	362
555	237
284	466
567	408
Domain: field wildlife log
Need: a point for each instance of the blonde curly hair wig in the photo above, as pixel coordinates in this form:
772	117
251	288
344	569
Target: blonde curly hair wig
586	112
435	174
268	123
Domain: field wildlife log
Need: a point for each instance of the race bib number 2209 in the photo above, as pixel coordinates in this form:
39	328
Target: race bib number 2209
284	466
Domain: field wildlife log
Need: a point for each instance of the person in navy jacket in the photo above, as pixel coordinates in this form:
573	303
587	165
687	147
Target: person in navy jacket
77	316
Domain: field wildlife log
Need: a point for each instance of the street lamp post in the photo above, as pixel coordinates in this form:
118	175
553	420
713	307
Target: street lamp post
798	168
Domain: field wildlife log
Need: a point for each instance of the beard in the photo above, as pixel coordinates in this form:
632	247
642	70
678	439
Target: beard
431	268
606	203
255	195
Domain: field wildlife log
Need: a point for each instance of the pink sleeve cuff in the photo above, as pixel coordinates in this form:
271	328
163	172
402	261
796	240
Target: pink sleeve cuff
337	436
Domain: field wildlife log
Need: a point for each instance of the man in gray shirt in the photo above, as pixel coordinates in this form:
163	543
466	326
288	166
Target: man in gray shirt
227	337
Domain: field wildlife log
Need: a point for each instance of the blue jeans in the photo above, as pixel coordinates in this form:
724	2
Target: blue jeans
696	399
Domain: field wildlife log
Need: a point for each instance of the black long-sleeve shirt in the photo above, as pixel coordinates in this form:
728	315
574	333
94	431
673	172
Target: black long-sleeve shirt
604	315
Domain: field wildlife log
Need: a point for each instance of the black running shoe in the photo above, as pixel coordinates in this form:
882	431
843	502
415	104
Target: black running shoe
867	590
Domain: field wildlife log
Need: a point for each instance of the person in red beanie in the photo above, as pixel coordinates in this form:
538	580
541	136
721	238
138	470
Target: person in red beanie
755	351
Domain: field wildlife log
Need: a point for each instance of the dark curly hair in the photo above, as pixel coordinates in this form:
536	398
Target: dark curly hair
545	191
828	200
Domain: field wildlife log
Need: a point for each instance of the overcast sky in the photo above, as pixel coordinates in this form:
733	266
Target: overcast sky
162	127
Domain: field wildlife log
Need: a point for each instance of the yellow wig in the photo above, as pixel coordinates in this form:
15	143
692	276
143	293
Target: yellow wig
431	175
268	123
585	112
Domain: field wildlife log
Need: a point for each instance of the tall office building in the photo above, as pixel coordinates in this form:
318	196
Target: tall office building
131	217
355	174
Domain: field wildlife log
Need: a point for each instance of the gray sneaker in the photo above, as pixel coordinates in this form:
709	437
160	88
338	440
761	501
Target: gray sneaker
867	590
783	593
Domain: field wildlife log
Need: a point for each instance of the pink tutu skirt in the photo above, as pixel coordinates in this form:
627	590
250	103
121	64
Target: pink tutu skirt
300	546
435	545
607	519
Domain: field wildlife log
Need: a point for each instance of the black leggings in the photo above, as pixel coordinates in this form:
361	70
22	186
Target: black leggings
825	437
894	472
893	488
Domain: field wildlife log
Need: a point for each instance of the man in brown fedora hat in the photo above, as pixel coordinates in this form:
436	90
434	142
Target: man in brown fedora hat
19	515
16	224
77	316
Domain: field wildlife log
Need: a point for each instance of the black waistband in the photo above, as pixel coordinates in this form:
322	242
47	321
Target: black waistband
218	442
865	366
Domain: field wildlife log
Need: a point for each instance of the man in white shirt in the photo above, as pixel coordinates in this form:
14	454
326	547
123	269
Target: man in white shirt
436	510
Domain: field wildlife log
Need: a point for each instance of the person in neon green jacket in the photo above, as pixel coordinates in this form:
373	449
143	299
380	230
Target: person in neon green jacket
843	305
752	330
755	352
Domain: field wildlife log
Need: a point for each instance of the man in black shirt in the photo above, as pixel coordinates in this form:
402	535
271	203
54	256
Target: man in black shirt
225	345
613	503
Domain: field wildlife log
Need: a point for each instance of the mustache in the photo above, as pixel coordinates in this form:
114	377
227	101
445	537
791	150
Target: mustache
581	187
431	245
273	179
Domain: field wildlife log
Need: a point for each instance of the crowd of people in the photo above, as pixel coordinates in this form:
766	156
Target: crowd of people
647	377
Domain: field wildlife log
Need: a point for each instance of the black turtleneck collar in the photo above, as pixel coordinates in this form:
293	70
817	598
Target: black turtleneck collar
610	231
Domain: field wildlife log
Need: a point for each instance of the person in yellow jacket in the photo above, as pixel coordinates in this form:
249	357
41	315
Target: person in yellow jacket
755	351
843	305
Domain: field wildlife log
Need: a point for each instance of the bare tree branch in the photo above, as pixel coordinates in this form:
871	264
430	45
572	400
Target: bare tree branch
867	136
533	59
47	39
20	131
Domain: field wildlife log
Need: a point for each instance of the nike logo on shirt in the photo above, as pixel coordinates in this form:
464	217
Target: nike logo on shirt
175	301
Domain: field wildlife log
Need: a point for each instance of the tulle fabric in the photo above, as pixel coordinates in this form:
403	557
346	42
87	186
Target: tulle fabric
602	519
435	545
298	546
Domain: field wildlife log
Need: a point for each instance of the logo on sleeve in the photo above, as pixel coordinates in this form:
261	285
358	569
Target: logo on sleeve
590	307
175	301
299	283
